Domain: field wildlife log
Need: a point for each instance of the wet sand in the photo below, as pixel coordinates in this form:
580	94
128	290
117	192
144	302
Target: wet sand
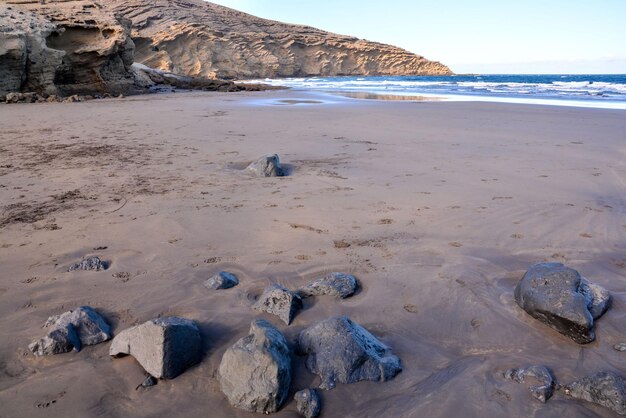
437	208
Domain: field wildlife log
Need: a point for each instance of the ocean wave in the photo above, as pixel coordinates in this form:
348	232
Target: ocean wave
590	87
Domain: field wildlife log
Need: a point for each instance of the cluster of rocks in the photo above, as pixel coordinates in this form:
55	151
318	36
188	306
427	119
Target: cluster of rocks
255	373
604	388
30	97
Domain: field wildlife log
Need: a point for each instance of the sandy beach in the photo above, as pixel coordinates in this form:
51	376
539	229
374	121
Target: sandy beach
438	208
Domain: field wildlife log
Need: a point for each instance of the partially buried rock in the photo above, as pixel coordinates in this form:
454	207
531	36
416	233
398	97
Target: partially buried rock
90	263
279	301
541	374
340	350
308	403
267	166
222	280
165	347
71	331
255	373
604	388
335	284
620	347
558	296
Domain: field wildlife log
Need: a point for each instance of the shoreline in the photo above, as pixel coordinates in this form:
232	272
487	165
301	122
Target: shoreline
437	208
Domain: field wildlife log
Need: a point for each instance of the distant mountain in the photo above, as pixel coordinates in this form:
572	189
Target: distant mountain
197	38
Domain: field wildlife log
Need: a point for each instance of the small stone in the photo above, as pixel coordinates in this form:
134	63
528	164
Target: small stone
558	296
222	280
339	350
308	403
544	390
148	382
620	347
91	263
604	388
266	166
255	373
71	331
279	301
335	284
165	347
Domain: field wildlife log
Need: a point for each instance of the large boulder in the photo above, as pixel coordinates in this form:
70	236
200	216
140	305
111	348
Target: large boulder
336	284
266	166
165	347
308	403
71	331
221	280
604	388
558	296
541	375
279	301
255	373
339	350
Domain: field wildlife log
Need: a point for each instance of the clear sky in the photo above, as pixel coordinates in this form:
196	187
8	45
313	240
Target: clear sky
474	36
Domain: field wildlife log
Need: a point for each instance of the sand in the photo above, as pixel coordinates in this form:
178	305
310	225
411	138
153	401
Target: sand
438	208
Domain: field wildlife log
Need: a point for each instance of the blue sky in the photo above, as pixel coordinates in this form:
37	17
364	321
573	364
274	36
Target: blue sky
474	36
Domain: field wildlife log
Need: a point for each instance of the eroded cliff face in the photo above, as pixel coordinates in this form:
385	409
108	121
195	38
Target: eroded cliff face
196	38
64	48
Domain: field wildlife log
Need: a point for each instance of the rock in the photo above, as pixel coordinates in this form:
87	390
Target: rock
340	350
279	301
542	391
620	347
148	382
266	166
308	403
558	296
63	48
604	388
335	284
212	41
90	263
71	331
222	280
165	347
255	373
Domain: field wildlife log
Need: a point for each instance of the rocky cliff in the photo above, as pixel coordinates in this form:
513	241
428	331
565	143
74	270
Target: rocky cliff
197	38
64	48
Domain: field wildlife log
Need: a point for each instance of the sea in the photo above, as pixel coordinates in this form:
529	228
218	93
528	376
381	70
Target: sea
600	91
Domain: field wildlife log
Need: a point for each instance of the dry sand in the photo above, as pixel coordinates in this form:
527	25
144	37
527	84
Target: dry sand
438	209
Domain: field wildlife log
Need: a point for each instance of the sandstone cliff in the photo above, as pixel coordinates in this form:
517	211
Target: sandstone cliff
196	38
64	48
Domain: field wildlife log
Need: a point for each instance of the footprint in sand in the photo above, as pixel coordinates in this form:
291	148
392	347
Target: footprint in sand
302	257
586	235
517	236
385	221
46	404
455	244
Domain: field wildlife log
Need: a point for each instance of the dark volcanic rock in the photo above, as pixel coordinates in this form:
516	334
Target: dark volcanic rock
90	263
542	391
222	280
280	302
558	296
603	388
308	403
336	284
255	373
165	347
72	330
266	166
340	350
